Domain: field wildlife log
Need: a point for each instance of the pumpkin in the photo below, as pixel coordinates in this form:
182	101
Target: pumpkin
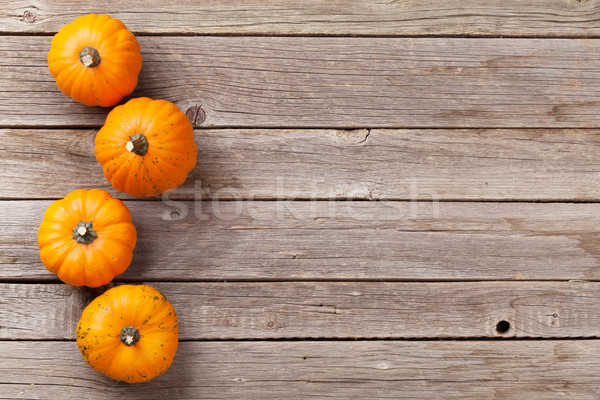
87	238
129	333
95	60
146	147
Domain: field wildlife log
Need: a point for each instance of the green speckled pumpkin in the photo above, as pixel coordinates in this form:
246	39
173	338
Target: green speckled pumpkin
146	147
129	333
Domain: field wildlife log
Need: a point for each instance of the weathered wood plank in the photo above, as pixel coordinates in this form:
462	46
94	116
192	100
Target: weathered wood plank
329	310
543	370
336	240
332	82
331	164
389	17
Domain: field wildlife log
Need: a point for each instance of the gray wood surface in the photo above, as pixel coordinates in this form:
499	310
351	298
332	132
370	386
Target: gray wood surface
329	309
387	17
502	164
389	298
332	82
540	370
336	240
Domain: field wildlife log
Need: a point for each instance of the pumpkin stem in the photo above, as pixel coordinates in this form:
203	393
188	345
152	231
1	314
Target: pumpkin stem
89	57
137	144
84	233
129	335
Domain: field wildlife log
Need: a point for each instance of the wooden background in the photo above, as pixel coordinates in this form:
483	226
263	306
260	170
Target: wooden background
379	184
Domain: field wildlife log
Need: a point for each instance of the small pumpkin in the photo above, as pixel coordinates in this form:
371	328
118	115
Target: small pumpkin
95	60
146	147
87	238
130	333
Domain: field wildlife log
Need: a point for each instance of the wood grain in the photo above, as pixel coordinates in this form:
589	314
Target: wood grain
332	82
329	270
539	370
345	17
307	240
329	310
331	164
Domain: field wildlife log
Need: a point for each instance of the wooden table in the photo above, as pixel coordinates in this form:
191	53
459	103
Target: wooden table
394	199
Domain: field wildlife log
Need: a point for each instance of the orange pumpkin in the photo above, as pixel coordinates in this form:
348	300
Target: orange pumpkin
87	238
95	60
146	147
129	333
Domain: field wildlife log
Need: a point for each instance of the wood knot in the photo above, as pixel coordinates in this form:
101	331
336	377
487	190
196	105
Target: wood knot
352	136
29	16
579	2
196	115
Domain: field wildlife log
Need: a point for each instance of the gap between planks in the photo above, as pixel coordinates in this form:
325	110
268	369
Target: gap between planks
123	281
352	340
325	35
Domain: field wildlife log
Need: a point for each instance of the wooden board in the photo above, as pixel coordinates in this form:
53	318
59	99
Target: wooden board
329	310
295	292
355	17
537	370
336	240
331	164
332	82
